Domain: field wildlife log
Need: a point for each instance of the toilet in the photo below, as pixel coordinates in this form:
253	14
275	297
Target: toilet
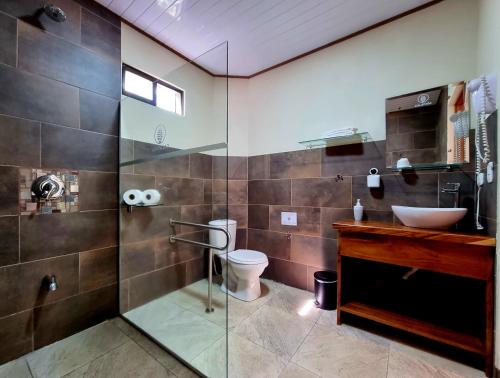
241	268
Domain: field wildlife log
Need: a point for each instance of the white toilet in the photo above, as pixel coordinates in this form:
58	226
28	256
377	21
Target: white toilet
242	267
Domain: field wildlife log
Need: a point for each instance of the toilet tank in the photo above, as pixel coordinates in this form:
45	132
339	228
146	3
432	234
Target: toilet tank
218	238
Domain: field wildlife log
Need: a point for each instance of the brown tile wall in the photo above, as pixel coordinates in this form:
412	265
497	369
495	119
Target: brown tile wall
307	182
193	189
259	188
59	108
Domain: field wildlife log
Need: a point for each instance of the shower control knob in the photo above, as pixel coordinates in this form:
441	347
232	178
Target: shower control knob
47	187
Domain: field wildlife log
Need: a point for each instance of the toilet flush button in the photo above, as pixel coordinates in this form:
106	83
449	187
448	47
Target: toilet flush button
288	219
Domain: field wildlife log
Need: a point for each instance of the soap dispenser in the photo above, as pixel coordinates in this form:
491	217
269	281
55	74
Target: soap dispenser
358	211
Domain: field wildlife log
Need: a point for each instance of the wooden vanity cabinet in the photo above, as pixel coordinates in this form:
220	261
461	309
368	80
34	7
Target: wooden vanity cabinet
462	255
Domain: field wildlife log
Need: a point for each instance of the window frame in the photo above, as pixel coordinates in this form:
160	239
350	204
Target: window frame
155	81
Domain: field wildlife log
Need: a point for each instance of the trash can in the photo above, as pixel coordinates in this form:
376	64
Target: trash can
325	289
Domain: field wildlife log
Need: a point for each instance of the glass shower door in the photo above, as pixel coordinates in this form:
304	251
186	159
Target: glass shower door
173	172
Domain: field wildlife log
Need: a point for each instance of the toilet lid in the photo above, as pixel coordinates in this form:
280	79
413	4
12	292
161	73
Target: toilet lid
247	256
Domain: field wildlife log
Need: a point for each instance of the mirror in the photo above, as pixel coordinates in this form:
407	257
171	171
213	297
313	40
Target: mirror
429	126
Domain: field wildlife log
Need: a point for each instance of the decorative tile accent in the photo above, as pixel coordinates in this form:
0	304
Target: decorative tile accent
28	204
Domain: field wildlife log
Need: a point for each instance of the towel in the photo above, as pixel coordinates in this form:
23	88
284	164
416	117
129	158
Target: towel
339	132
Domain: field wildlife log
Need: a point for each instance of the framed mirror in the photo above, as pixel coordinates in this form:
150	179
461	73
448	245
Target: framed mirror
428	127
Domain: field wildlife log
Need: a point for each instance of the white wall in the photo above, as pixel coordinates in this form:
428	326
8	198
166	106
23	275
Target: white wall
488	61
346	85
205	100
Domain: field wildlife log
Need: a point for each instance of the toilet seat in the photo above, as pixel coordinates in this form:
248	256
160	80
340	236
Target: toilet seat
247	257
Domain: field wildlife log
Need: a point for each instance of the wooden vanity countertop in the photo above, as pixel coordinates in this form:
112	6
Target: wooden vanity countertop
381	228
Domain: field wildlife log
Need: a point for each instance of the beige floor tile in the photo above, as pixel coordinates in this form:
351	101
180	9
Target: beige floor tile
196	295
186	334
126	361
182	331
154	313
328	353
182	371
421	361
245	360
271	285
329	319
402	365
295	301
161	355
194	298
68	354
295	371
276	330
15	369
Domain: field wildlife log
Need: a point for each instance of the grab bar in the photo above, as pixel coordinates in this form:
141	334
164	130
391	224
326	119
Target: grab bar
174	238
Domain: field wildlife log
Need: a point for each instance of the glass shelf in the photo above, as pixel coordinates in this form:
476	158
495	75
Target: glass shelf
337	141
161	155
428	166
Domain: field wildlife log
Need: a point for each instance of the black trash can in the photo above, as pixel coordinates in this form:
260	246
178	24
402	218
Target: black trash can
325	289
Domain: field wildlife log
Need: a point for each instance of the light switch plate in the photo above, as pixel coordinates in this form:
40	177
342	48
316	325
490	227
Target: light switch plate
288	219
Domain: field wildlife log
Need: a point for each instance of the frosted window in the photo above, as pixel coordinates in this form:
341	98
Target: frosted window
138	85
153	91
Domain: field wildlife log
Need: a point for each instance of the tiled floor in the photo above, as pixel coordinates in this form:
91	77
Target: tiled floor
280	335
112	349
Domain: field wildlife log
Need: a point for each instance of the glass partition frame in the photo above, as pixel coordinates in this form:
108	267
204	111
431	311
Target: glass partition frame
155	275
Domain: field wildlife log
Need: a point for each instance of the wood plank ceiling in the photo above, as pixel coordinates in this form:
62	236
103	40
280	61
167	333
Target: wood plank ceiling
260	33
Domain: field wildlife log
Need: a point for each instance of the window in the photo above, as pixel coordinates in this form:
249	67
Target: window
146	88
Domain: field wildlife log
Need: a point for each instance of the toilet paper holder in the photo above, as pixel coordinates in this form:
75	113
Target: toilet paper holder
140	198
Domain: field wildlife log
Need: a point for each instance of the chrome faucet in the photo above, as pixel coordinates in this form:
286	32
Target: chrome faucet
51	283
452	188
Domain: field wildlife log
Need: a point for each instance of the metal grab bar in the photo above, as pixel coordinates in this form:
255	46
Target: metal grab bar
174	238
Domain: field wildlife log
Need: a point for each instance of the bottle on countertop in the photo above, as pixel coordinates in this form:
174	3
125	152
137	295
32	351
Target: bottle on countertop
358	211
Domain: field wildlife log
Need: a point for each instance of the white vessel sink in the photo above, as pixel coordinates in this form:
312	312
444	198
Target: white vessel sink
428	217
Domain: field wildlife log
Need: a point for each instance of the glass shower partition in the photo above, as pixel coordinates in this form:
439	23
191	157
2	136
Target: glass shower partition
175	145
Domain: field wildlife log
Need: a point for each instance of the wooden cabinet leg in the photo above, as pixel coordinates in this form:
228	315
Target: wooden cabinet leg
489	360
339	287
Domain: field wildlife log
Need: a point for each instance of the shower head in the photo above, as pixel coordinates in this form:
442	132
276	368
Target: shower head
55	13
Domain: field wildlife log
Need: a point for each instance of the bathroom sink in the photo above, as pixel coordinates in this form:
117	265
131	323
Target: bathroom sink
428	217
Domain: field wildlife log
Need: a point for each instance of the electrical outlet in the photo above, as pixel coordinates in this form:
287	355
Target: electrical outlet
288	219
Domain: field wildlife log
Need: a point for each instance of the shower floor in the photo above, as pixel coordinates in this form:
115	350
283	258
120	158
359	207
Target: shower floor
112	349
282	335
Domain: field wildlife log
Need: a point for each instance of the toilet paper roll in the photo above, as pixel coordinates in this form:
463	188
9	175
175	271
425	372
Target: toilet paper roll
151	197
132	197
373	181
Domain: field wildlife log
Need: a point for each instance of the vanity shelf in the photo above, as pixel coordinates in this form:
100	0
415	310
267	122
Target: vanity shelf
460	340
448	262
337	141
